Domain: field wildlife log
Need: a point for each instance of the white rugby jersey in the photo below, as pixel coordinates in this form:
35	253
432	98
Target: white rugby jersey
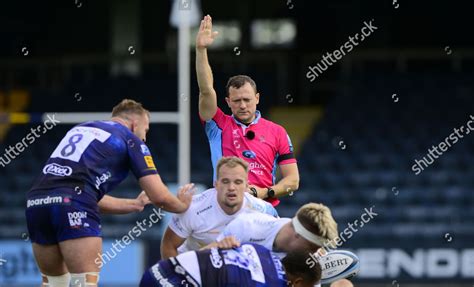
205	219
256	228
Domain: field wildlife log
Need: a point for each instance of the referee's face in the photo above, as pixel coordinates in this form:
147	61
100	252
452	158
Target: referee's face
243	103
231	186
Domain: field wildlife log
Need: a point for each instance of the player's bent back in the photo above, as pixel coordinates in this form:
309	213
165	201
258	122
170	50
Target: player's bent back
249	265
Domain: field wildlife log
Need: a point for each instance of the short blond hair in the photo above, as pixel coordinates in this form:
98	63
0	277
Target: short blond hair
317	218
128	107
231	161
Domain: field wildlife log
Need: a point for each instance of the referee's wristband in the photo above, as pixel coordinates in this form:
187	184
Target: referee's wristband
254	191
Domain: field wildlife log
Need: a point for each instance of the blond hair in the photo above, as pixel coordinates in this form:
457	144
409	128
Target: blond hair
317	218
231	161
128	107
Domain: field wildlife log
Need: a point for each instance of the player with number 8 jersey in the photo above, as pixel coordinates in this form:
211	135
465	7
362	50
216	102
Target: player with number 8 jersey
63	205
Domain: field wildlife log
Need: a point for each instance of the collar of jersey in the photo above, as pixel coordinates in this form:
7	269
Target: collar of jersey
255	121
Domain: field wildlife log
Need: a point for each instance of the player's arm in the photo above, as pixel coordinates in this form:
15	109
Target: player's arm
207	94
288	183
115	205
160	196
290	180
288	167
170	243
231	236
227	242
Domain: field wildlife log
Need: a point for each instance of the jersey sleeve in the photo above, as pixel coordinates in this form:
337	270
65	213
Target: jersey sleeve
236	228
181	225
262	206
270	210
141	161
214	126
285	148
219	118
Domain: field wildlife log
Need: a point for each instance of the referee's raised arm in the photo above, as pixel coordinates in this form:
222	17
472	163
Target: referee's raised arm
207	95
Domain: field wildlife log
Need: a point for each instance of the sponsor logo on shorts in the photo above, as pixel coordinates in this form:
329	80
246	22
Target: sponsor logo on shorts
103	178
145	149
58	170
47	200
249	154
75	218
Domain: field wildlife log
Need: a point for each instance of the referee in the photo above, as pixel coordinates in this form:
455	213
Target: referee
245	134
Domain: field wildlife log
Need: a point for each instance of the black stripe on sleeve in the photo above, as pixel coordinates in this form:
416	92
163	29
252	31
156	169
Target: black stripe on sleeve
285	157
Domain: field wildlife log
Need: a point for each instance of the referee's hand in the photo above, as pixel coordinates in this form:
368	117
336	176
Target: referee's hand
185	195
205	36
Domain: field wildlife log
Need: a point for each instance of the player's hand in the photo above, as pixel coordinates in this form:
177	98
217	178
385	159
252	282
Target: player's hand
228	242
205	36
261	192
185	195
142	200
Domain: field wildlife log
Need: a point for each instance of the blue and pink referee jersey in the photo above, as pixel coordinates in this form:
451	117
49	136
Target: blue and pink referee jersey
263	144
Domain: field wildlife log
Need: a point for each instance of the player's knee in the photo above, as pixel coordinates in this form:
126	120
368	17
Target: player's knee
88	279
56	281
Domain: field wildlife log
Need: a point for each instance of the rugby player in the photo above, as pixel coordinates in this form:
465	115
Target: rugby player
212	209
311	228
245	134
63	205
248	265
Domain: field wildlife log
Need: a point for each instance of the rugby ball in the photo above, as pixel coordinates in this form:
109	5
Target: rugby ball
338	264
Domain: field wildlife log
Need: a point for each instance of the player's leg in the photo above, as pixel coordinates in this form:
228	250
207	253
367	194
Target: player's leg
44	242
80	256
51	265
